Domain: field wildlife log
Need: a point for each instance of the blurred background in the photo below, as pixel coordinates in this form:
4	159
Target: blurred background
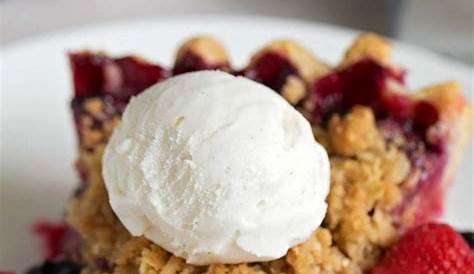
444	26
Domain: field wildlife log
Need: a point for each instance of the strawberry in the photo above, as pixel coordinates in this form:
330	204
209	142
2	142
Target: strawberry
428	249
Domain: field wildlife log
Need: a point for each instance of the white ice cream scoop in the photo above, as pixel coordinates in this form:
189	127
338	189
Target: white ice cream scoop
216	169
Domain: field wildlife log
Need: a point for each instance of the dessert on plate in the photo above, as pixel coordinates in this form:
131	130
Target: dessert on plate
213	173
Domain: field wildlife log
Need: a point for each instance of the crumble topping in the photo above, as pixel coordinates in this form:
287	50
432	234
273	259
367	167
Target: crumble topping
365	186
368	45
446	97
294	90
206	47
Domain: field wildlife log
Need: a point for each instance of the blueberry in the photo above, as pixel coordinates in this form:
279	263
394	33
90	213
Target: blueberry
469	237
63	267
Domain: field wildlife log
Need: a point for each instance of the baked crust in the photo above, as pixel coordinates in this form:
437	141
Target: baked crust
370	175
367	45
455	124
208	48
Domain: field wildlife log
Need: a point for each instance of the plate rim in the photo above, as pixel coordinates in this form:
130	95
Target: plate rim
59	34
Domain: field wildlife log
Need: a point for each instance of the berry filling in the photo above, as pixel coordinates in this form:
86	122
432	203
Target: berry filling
363	83
271	69
59	240
120	78
428	162
399	116
192	62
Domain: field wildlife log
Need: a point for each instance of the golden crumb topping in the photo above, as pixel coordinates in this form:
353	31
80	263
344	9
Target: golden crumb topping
365	186
368	45
354	133
294	90
206	47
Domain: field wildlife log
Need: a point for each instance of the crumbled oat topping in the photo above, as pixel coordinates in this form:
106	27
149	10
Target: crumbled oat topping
368	45
355	133
365	186
206	47
294	90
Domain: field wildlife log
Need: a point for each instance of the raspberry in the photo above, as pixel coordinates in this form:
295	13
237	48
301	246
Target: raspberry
272	70
362	83
428	249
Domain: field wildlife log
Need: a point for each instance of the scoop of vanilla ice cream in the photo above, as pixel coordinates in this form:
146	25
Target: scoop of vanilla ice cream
216	169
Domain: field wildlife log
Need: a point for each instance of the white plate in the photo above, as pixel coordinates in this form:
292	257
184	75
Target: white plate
37	137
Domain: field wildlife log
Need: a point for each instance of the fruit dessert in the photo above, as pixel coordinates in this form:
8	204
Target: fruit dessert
392	155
